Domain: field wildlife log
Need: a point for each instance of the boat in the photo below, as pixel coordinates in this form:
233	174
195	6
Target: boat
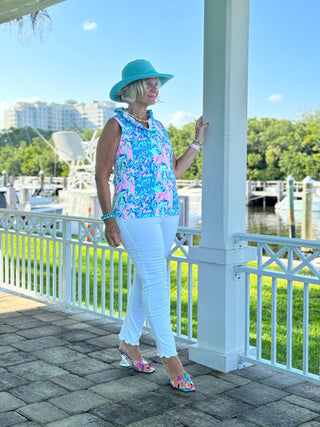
283	205
19	199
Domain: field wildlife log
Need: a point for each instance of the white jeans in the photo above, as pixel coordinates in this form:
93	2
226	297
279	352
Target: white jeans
148	242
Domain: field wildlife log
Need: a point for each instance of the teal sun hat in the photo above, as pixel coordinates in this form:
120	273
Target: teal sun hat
137	70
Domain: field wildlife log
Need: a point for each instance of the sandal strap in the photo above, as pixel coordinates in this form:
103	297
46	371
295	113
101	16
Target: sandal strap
181	378
140	365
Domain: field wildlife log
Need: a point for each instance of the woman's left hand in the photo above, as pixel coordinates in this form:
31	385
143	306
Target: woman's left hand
200	130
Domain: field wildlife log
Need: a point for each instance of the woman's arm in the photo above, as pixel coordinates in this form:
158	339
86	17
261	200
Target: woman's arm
181	165
105	156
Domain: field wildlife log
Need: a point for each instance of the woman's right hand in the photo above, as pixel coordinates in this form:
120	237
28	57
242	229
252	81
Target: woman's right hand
200	129
112	232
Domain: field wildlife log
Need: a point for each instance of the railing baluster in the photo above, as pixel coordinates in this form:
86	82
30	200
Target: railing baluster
47	262
41	267
80	276
95	280
23	263
60	271
17	256
74	276
87	276
289	324
120	284
6	271
54	269
306	328
29	265
259	317
274	322
35	265
111	283
190	301
179	298
66	271
12	275
103	281
247	314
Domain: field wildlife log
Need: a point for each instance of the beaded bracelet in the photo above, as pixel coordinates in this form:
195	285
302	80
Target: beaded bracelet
197	141
107	215
195	146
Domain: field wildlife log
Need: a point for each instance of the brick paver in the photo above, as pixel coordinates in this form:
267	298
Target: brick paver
62	370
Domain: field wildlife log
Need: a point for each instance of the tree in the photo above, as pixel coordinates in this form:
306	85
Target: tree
37	22
14	136
276	149
267	140
180	139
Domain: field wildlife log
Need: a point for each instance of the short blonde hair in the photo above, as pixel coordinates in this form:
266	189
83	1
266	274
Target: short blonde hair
132	91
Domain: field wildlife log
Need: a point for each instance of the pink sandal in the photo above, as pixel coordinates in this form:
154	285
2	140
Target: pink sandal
138	365
176	381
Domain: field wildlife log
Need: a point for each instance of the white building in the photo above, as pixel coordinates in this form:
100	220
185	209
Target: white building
57	117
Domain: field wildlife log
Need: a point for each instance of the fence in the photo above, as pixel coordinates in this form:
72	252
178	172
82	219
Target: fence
66	259
282	304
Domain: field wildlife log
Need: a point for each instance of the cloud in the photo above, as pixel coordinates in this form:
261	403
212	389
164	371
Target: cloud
181	118
276	97
89	26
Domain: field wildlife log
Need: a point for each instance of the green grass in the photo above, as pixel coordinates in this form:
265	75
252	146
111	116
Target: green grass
84	253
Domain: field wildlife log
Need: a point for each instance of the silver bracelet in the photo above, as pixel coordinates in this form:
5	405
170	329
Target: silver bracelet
195	146
197	141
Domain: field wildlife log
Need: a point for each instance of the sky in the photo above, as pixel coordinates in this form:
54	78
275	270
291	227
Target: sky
88	42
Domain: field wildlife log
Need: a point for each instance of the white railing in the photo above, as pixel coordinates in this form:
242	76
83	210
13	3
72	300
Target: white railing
66	259
34	181
181	183
282	304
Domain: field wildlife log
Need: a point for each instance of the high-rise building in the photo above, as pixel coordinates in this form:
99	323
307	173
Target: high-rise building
57	117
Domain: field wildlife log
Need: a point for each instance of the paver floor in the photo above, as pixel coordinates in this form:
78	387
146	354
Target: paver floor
62	369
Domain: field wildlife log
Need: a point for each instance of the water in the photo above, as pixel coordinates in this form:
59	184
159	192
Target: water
267	221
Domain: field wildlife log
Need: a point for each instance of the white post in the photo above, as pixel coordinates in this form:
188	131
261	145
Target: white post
307	208
11	196
221	298
66	293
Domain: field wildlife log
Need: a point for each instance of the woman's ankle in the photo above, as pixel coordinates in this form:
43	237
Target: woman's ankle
132	351
173	366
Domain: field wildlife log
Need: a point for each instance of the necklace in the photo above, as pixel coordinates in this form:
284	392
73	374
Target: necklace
137	119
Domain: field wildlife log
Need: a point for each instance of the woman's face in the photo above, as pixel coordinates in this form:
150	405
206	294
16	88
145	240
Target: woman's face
151	92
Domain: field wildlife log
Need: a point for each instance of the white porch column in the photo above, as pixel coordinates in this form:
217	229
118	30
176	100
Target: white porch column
220	295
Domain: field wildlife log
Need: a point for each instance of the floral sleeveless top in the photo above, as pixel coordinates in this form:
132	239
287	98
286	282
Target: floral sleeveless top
144	182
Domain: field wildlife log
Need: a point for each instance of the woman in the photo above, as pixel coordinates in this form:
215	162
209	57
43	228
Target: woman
144	212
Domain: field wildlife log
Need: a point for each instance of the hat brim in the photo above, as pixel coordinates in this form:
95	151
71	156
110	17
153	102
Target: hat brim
163	78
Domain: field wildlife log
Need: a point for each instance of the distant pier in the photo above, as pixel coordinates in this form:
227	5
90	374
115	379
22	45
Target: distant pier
272	190
269	192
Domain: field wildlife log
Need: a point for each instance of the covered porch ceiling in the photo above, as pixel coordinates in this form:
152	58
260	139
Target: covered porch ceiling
13	9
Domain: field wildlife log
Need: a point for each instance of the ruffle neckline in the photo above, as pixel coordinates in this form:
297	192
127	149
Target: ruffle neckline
127	116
